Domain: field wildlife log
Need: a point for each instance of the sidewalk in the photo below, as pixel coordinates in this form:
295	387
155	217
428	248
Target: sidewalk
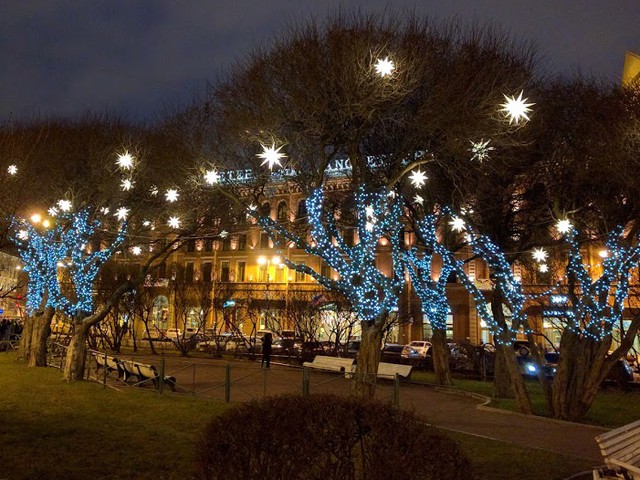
446	409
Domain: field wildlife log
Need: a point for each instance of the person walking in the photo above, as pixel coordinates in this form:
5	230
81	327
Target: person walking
267	340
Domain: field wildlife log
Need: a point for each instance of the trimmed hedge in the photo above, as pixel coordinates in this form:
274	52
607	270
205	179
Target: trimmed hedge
324	437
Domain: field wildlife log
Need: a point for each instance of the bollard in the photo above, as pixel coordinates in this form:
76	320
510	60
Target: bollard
396	391
227	384
305	381
104	374
161	377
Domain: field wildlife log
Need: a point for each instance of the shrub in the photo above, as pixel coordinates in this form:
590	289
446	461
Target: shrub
324	437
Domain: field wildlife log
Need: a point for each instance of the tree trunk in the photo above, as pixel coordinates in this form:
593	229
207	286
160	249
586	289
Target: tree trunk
440	357
40	332
369	357
25	340
76	351
502	387
581	369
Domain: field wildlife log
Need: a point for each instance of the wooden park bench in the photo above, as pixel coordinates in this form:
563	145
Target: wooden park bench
111	364
149	372
333	364
389	370
621	448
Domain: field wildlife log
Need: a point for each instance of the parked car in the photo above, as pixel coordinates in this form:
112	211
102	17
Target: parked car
308	350
529	367
419	349
214	344
392	353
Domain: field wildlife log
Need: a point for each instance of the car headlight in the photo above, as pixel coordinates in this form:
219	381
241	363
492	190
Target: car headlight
531	368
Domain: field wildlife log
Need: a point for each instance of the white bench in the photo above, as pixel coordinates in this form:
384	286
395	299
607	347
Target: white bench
389	370
333	364
621	448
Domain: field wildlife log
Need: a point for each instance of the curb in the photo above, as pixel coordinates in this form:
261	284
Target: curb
484	407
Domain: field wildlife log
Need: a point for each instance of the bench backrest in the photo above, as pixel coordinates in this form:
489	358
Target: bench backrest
334	361
622	446
147	371
390	370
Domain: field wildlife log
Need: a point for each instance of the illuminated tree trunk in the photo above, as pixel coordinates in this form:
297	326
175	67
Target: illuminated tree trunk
508	382
40	332
581	368
76	350
440	357
369	357
25	340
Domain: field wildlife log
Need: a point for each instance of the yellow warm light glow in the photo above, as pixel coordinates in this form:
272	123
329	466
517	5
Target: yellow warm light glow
46	223
262	260
603	253
276	260
36	218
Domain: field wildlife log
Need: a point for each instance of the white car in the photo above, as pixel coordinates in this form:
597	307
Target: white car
416	349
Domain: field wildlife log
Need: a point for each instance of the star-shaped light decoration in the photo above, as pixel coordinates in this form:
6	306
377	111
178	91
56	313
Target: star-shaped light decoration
121	213
224	234
418	199
125	161
271	156
53	211
384	67
153	191
127	184
480	150
174	222
104	210
368	211
251	208
457	224
12	169
23	235
212	177
544	268
418	178
136	250
146	223
64	205
564	226
516	109
392	194
171	195
539	254
369	226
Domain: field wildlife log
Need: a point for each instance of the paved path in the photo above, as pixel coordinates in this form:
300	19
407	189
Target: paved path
457	412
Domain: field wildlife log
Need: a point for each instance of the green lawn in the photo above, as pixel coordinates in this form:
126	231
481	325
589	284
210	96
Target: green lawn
53	430
612	408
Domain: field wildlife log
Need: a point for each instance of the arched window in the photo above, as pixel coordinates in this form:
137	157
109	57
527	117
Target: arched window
302	209
283	212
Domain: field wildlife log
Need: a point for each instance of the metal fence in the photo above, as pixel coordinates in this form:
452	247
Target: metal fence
222	380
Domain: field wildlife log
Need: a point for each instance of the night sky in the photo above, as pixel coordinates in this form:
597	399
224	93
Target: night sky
136	58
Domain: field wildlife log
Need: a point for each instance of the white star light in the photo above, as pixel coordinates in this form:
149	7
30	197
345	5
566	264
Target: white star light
174	222
104	210
153	191
23	235
516	109
171	195
146	223
125	161
64	205
539	254
369	227
457	224
251	208
53	211
136	250
418	199
121	213
12	169
271	156
212	177
224	234
543	268
418	178
480	150
368	211
384	67
564	226
127	184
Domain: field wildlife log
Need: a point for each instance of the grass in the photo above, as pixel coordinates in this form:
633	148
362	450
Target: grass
53	430
612	408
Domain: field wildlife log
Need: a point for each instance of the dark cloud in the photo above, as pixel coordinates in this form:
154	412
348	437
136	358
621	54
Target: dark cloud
133	57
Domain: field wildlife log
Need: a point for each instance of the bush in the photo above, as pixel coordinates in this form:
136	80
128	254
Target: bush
325	437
